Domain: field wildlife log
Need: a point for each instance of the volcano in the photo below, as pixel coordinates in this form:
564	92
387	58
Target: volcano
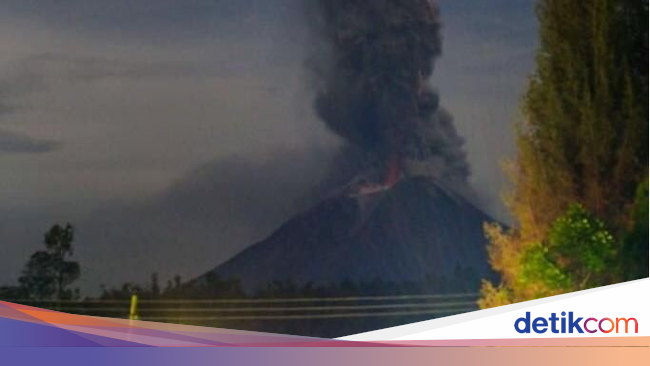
414	231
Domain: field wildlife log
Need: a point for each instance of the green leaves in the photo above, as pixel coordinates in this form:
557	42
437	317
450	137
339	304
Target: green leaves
583	240
538	265
583	140
635	253
578	253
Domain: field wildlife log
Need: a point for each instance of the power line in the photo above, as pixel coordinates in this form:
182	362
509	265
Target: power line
254	301
278	309
444	304
314	299
312	316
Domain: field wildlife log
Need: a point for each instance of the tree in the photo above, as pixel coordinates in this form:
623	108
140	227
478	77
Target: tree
155	285
12	292
578	253
584	137
48	273
585	134
635	260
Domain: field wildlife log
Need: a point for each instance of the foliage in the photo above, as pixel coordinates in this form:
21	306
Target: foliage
12	293
579	253
635	260
585	243
492	296
48	273
585	134
539	267
210	286
583	140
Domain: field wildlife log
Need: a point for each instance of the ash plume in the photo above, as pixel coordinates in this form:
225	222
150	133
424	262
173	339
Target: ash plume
372	86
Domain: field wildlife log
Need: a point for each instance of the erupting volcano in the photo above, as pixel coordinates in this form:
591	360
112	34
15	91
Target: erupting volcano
404	215
374	90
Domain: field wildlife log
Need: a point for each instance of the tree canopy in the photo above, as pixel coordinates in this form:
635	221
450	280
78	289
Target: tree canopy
583	140
48	273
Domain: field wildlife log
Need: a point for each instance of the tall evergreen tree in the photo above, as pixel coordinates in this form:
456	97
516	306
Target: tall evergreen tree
584	138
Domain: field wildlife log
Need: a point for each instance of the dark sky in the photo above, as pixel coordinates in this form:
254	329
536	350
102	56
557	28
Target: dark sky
174	133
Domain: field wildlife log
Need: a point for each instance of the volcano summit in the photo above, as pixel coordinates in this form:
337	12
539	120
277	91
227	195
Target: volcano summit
413	232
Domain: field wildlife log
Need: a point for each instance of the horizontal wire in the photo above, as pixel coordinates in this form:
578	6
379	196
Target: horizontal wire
313	299
277	309
251	301
309	316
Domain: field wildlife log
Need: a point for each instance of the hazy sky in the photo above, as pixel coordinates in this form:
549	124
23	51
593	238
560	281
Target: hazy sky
173	133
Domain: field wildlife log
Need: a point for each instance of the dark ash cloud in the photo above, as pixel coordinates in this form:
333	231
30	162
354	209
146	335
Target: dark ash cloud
374	89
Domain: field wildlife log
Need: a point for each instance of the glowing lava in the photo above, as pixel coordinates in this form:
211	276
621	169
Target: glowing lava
392	175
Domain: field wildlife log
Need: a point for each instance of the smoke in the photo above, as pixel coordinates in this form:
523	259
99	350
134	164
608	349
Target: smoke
372	85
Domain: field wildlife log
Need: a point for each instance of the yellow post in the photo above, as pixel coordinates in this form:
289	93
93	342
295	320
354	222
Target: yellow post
133	313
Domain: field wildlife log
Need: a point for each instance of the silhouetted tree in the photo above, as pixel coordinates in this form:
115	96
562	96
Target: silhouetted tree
155	286
48	273
12	293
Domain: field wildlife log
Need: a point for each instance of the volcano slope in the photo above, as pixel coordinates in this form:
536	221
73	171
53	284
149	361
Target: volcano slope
413	232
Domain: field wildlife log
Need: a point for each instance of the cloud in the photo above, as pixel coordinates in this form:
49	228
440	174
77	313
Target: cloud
41	72
179	149
202	219
85	68
162	21
36	72
205	217
15	143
